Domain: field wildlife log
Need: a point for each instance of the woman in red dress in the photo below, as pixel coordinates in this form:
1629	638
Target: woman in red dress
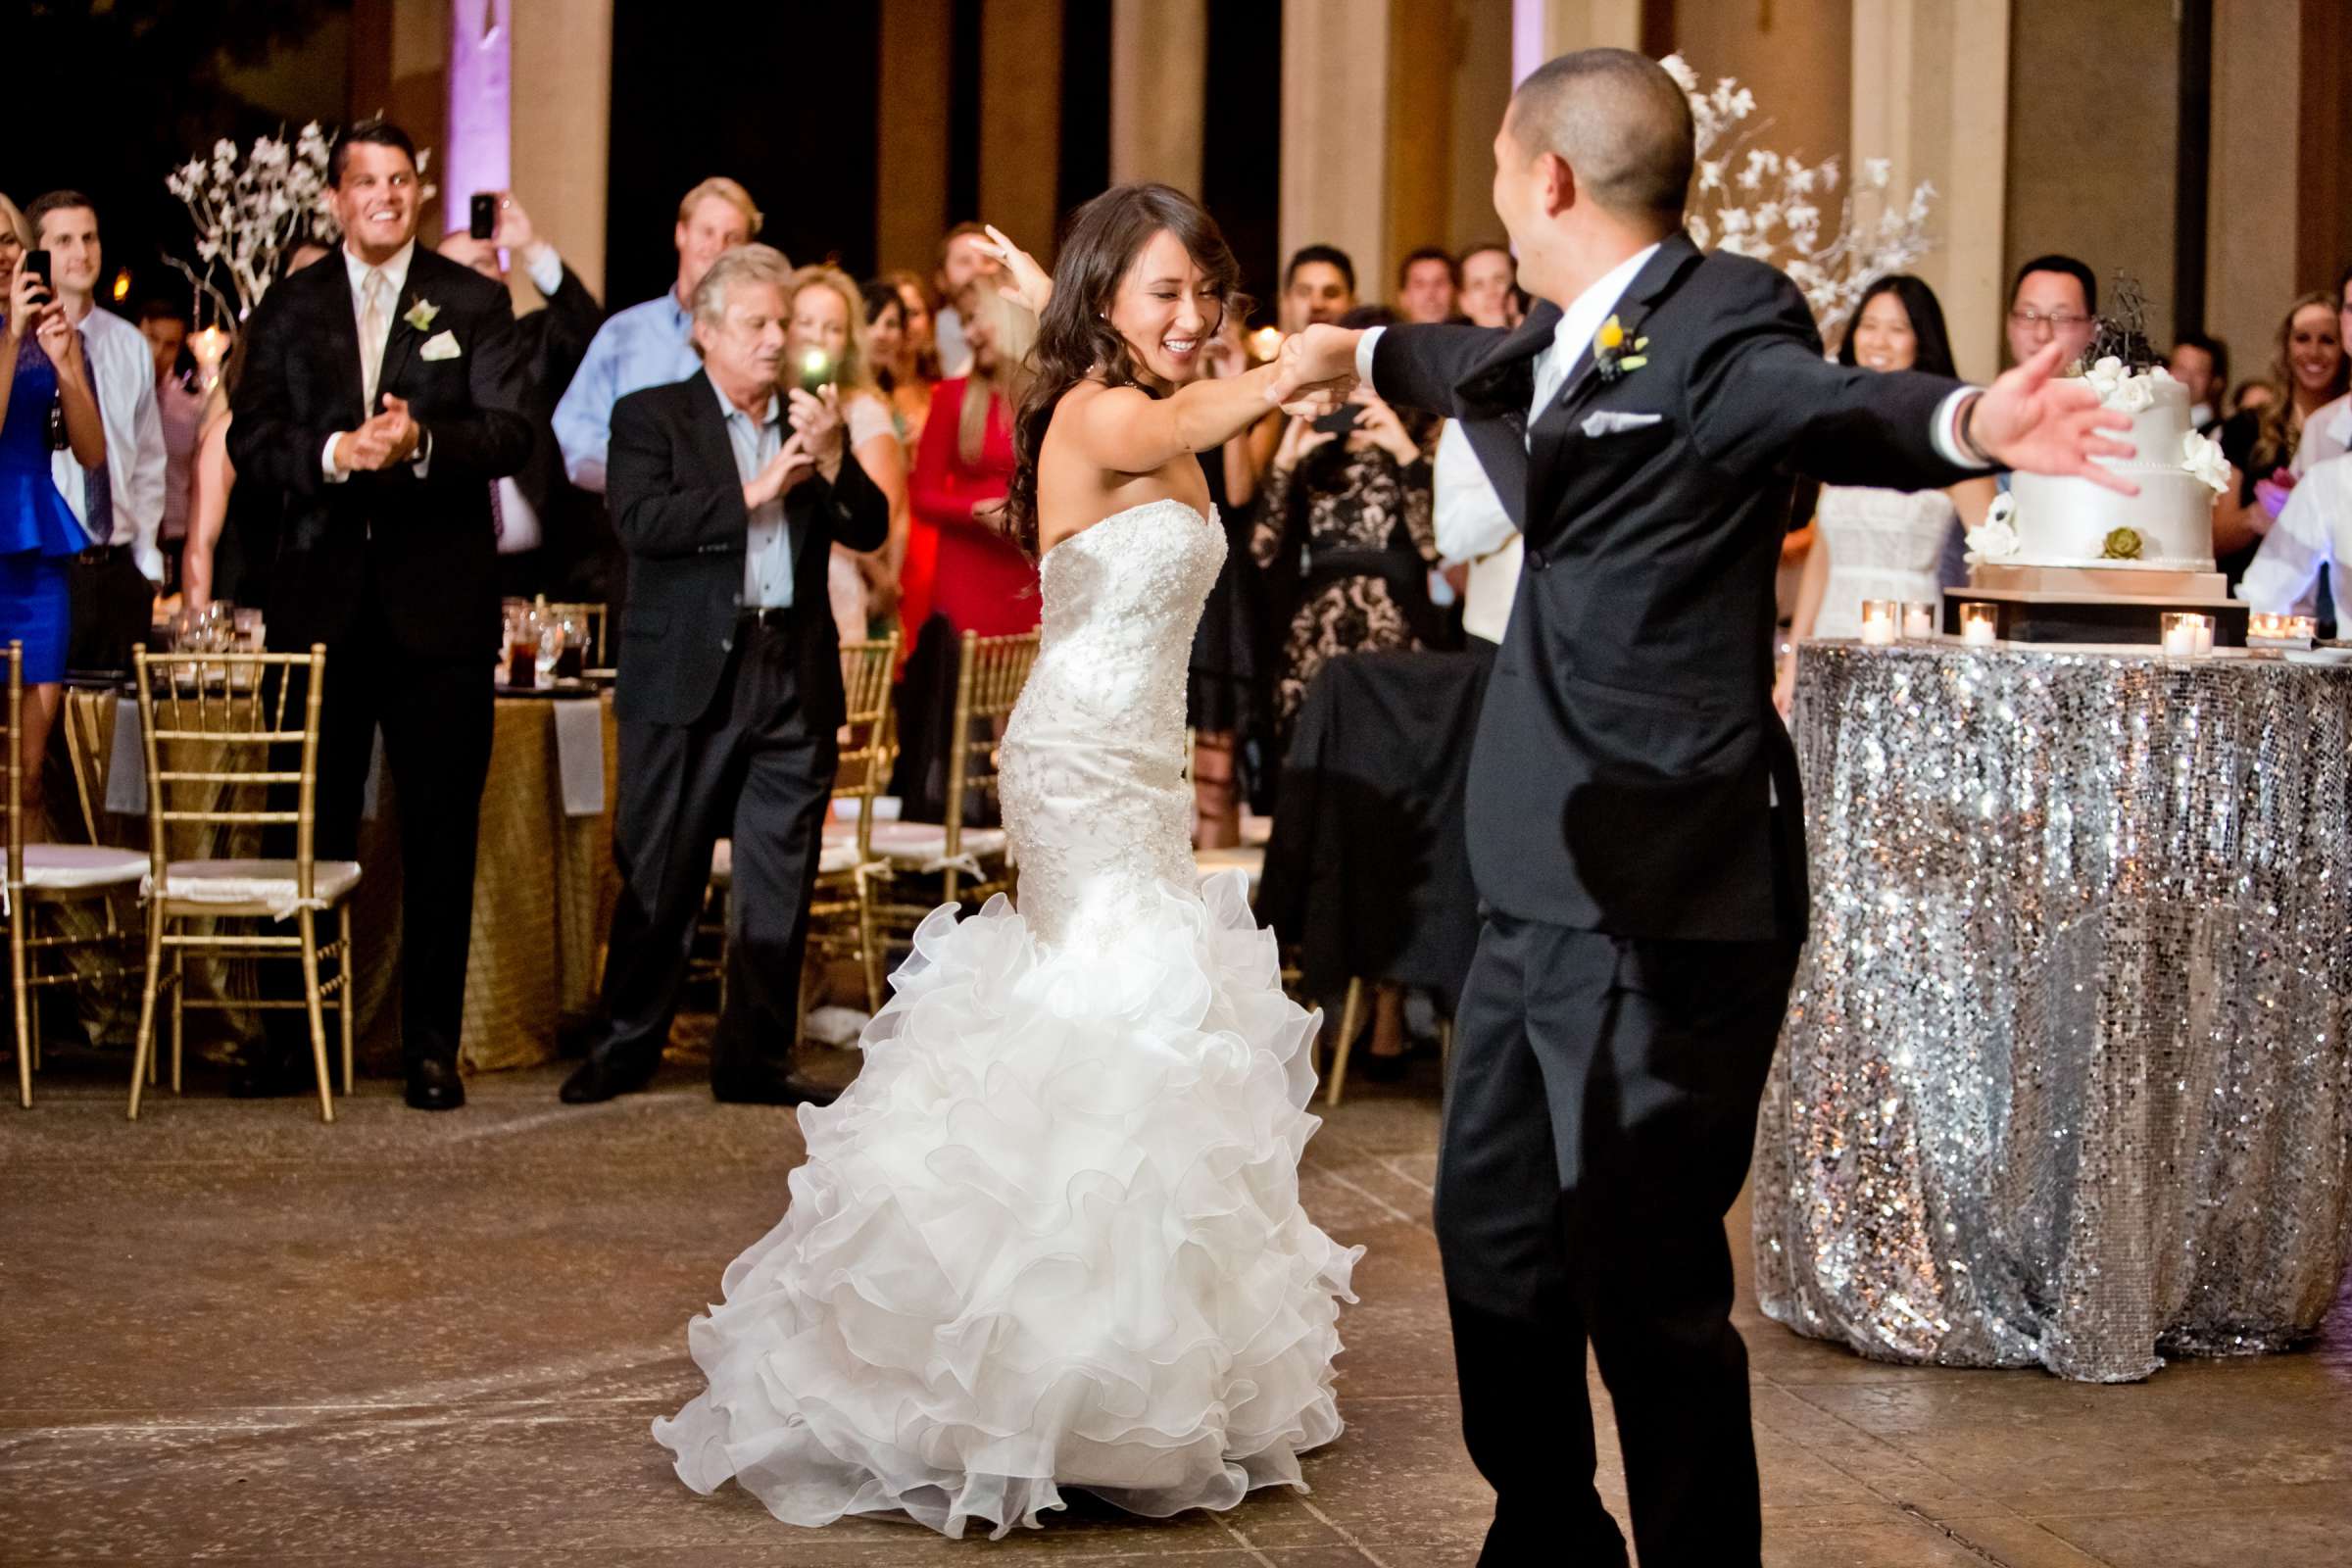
979	578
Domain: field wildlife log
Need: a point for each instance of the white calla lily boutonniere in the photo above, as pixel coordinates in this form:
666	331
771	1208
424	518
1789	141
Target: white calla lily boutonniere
420	314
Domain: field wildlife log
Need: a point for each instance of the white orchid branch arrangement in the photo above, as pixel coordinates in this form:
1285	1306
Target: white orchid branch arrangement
1755	202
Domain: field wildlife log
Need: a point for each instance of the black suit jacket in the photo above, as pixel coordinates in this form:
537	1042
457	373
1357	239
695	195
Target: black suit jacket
550	345
677	505
1628	753
423	542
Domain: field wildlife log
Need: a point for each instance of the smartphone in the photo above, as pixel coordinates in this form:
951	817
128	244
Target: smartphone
816	371
483	217
38	263
1339	421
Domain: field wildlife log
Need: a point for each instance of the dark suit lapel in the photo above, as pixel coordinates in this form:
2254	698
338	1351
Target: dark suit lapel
405	338
706	427
1652	283
340	328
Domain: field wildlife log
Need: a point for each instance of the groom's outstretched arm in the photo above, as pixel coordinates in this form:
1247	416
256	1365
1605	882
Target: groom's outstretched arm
1410	367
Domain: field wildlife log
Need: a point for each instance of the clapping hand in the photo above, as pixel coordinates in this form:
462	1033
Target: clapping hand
388	439
791	465
2028	421
1031	284
1315	369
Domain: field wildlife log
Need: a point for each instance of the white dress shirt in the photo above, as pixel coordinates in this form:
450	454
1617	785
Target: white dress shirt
767	538
2314	530
122	373
1472	526
1581	321
2327	435
372	354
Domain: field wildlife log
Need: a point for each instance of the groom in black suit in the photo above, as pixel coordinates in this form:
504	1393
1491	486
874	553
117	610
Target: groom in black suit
383	395
1635	824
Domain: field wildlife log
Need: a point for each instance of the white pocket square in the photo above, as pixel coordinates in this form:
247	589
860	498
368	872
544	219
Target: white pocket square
1610	422
444	346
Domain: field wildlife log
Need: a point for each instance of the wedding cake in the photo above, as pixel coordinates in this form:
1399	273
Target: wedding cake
2068	522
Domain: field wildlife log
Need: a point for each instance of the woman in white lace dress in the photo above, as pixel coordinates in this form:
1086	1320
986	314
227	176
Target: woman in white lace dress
1052	1235
1881	543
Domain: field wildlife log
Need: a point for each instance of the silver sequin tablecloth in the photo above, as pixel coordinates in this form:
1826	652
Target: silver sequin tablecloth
2065	1079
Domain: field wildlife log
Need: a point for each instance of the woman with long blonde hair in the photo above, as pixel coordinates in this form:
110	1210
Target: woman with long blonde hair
824	313
2309	373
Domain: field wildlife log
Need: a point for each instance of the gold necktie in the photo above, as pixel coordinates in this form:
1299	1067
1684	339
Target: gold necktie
371	337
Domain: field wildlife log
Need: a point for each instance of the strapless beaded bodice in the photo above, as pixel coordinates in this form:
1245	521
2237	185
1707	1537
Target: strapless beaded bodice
1093	762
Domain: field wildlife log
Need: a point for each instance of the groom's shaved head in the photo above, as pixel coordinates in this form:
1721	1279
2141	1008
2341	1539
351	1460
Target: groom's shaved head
1619	122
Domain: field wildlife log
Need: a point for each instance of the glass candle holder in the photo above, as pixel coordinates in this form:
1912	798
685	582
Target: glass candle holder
1919	620
2187	635
1979	625
1879	617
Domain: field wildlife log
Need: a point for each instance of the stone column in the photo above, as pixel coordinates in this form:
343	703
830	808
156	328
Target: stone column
1542	28
1159	90
1931	95
562	128
910	166
1020	118
1334	115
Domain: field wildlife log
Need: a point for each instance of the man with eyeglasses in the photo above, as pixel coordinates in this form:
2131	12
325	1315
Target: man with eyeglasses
2053	297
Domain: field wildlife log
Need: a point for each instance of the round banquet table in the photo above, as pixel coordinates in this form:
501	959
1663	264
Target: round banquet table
544	889
2065	1078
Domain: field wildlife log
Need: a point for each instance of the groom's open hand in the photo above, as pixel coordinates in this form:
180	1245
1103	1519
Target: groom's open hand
1314	370
2029	422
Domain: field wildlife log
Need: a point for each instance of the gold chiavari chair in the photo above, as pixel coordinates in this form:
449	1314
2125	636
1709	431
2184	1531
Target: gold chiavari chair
841	918
948	859
223	753
39	874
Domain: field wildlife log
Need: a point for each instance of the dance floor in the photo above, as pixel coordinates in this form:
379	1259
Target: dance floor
229	1332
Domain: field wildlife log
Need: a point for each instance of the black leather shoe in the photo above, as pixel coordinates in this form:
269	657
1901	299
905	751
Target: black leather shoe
764	1085
599	1078
434	1085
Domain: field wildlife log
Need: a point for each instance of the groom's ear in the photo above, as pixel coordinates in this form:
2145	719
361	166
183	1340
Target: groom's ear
1555	184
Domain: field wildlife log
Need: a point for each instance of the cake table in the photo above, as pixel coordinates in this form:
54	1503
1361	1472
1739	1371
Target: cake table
2065	1078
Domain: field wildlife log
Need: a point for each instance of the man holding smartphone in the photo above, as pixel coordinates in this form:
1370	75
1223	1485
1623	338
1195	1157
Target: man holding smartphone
120	502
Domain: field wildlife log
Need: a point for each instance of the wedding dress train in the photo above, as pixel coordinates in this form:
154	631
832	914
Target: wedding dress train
1052	1235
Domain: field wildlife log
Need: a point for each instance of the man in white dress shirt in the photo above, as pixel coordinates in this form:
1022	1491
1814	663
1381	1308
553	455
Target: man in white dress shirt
120	504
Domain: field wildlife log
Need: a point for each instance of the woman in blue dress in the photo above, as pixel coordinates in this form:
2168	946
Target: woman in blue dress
38	534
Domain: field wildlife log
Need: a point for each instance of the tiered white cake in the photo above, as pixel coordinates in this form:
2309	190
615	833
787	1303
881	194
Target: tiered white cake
2168	527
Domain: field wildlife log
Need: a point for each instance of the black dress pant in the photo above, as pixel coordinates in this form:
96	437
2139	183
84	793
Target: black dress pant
752	770
113	608
1598	1126
436	715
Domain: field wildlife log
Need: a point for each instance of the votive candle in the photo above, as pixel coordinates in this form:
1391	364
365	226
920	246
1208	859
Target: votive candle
1878	620
1979	625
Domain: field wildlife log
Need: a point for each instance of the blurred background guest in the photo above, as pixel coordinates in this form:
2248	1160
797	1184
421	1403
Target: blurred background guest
2328	431
963	256
2246	395
2201	364
541	530
301	254
1489	294
2307	373
120	504
897	359
825	313
233	536
1318	285
1222	690
180	405
2054	298
1870	543
39	535
650	344
1427	281
977	578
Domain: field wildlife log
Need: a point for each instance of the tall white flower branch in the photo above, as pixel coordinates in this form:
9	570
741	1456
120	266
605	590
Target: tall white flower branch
1755	202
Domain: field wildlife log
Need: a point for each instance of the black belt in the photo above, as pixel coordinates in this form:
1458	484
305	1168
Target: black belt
771	620
102	555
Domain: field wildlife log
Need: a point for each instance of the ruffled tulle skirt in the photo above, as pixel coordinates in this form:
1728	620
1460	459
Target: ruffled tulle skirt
1050	1238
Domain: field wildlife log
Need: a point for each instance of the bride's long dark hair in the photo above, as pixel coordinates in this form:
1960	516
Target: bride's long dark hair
1075	340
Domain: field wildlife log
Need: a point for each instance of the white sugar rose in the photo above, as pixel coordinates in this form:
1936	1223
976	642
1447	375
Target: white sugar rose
2203	457
2105	377
1997	538
2134	394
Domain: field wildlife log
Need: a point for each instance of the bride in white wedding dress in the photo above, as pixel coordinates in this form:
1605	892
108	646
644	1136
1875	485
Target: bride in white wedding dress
1052	1235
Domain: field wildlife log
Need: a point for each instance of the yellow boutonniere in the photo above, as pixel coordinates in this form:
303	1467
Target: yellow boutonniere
1609	356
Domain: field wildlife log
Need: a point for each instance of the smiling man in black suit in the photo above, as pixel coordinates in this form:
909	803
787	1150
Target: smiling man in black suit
1633	816
383	395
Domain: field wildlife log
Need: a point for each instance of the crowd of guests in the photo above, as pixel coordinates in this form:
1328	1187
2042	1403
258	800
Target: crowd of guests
876	415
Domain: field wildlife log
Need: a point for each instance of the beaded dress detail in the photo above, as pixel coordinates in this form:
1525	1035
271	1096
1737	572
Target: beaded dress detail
1052	1235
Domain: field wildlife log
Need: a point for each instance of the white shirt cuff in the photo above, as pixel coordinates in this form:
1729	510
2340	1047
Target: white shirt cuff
1365	346
1945	429
326	461
546	270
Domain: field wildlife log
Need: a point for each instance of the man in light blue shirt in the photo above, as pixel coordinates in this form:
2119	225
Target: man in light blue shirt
650	344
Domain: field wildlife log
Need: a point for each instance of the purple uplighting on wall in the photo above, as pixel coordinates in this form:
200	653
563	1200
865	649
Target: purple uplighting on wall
479	98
